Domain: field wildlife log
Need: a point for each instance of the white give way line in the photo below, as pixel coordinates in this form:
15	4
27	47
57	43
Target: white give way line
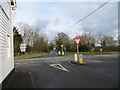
59	66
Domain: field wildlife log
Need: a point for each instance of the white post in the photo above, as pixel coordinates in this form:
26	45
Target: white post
75	58
59	53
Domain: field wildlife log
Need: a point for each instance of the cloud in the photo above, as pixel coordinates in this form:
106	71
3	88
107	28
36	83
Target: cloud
24	13
42	23
55	17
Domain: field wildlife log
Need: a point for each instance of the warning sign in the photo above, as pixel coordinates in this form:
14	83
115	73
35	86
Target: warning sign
77	40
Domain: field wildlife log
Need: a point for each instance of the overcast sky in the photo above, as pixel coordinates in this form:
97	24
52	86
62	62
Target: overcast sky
55	17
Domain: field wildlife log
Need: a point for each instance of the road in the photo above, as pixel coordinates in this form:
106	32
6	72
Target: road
53	71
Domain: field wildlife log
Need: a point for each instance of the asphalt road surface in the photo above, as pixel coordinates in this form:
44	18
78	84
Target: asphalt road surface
53	71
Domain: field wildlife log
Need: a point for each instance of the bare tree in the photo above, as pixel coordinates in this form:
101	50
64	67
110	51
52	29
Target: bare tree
27	33
105	40
88	39
34	37
62	39
40	42
17	41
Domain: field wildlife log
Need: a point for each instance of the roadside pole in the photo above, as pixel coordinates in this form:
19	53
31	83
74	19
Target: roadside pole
62	53
78	59
77	53
62	50
77	41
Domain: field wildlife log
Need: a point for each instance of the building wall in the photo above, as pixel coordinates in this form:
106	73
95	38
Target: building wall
6	40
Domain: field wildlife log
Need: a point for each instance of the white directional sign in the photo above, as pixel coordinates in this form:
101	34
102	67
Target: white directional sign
77	40
23	47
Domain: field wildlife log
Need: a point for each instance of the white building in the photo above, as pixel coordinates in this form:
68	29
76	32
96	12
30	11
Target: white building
6	38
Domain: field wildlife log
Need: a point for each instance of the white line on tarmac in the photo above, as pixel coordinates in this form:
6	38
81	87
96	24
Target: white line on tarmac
32	62
17	63
25	63
108	55
32	79
39	59
97	61
59	66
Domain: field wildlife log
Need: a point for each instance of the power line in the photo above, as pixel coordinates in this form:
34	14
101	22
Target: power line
87	15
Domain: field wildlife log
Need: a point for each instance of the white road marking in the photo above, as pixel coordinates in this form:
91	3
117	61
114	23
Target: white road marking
97	61
109	55
25	63
31	59
59	66
18	63
45	61
32	79
31	62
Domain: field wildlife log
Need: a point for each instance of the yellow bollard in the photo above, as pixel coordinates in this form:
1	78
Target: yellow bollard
63	53
81	58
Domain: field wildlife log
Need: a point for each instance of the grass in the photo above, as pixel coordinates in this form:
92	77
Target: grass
29	55
95	52
41	54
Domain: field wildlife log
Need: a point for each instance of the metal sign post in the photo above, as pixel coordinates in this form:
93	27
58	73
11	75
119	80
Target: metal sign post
77	40
62	49
78	59
77	53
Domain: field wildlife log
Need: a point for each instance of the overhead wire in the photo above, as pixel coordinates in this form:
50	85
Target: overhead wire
86	16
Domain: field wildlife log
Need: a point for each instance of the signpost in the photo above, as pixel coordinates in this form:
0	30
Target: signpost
62	47
62	50
78	58
23	47
77	41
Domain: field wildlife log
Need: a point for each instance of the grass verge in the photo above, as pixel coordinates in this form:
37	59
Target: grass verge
95	52
29	55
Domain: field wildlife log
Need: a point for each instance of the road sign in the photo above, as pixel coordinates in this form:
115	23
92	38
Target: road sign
23	47
61	45
77	40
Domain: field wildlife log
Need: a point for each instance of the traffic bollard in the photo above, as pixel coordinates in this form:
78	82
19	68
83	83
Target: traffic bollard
75	58
59	53
63	53
81	58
